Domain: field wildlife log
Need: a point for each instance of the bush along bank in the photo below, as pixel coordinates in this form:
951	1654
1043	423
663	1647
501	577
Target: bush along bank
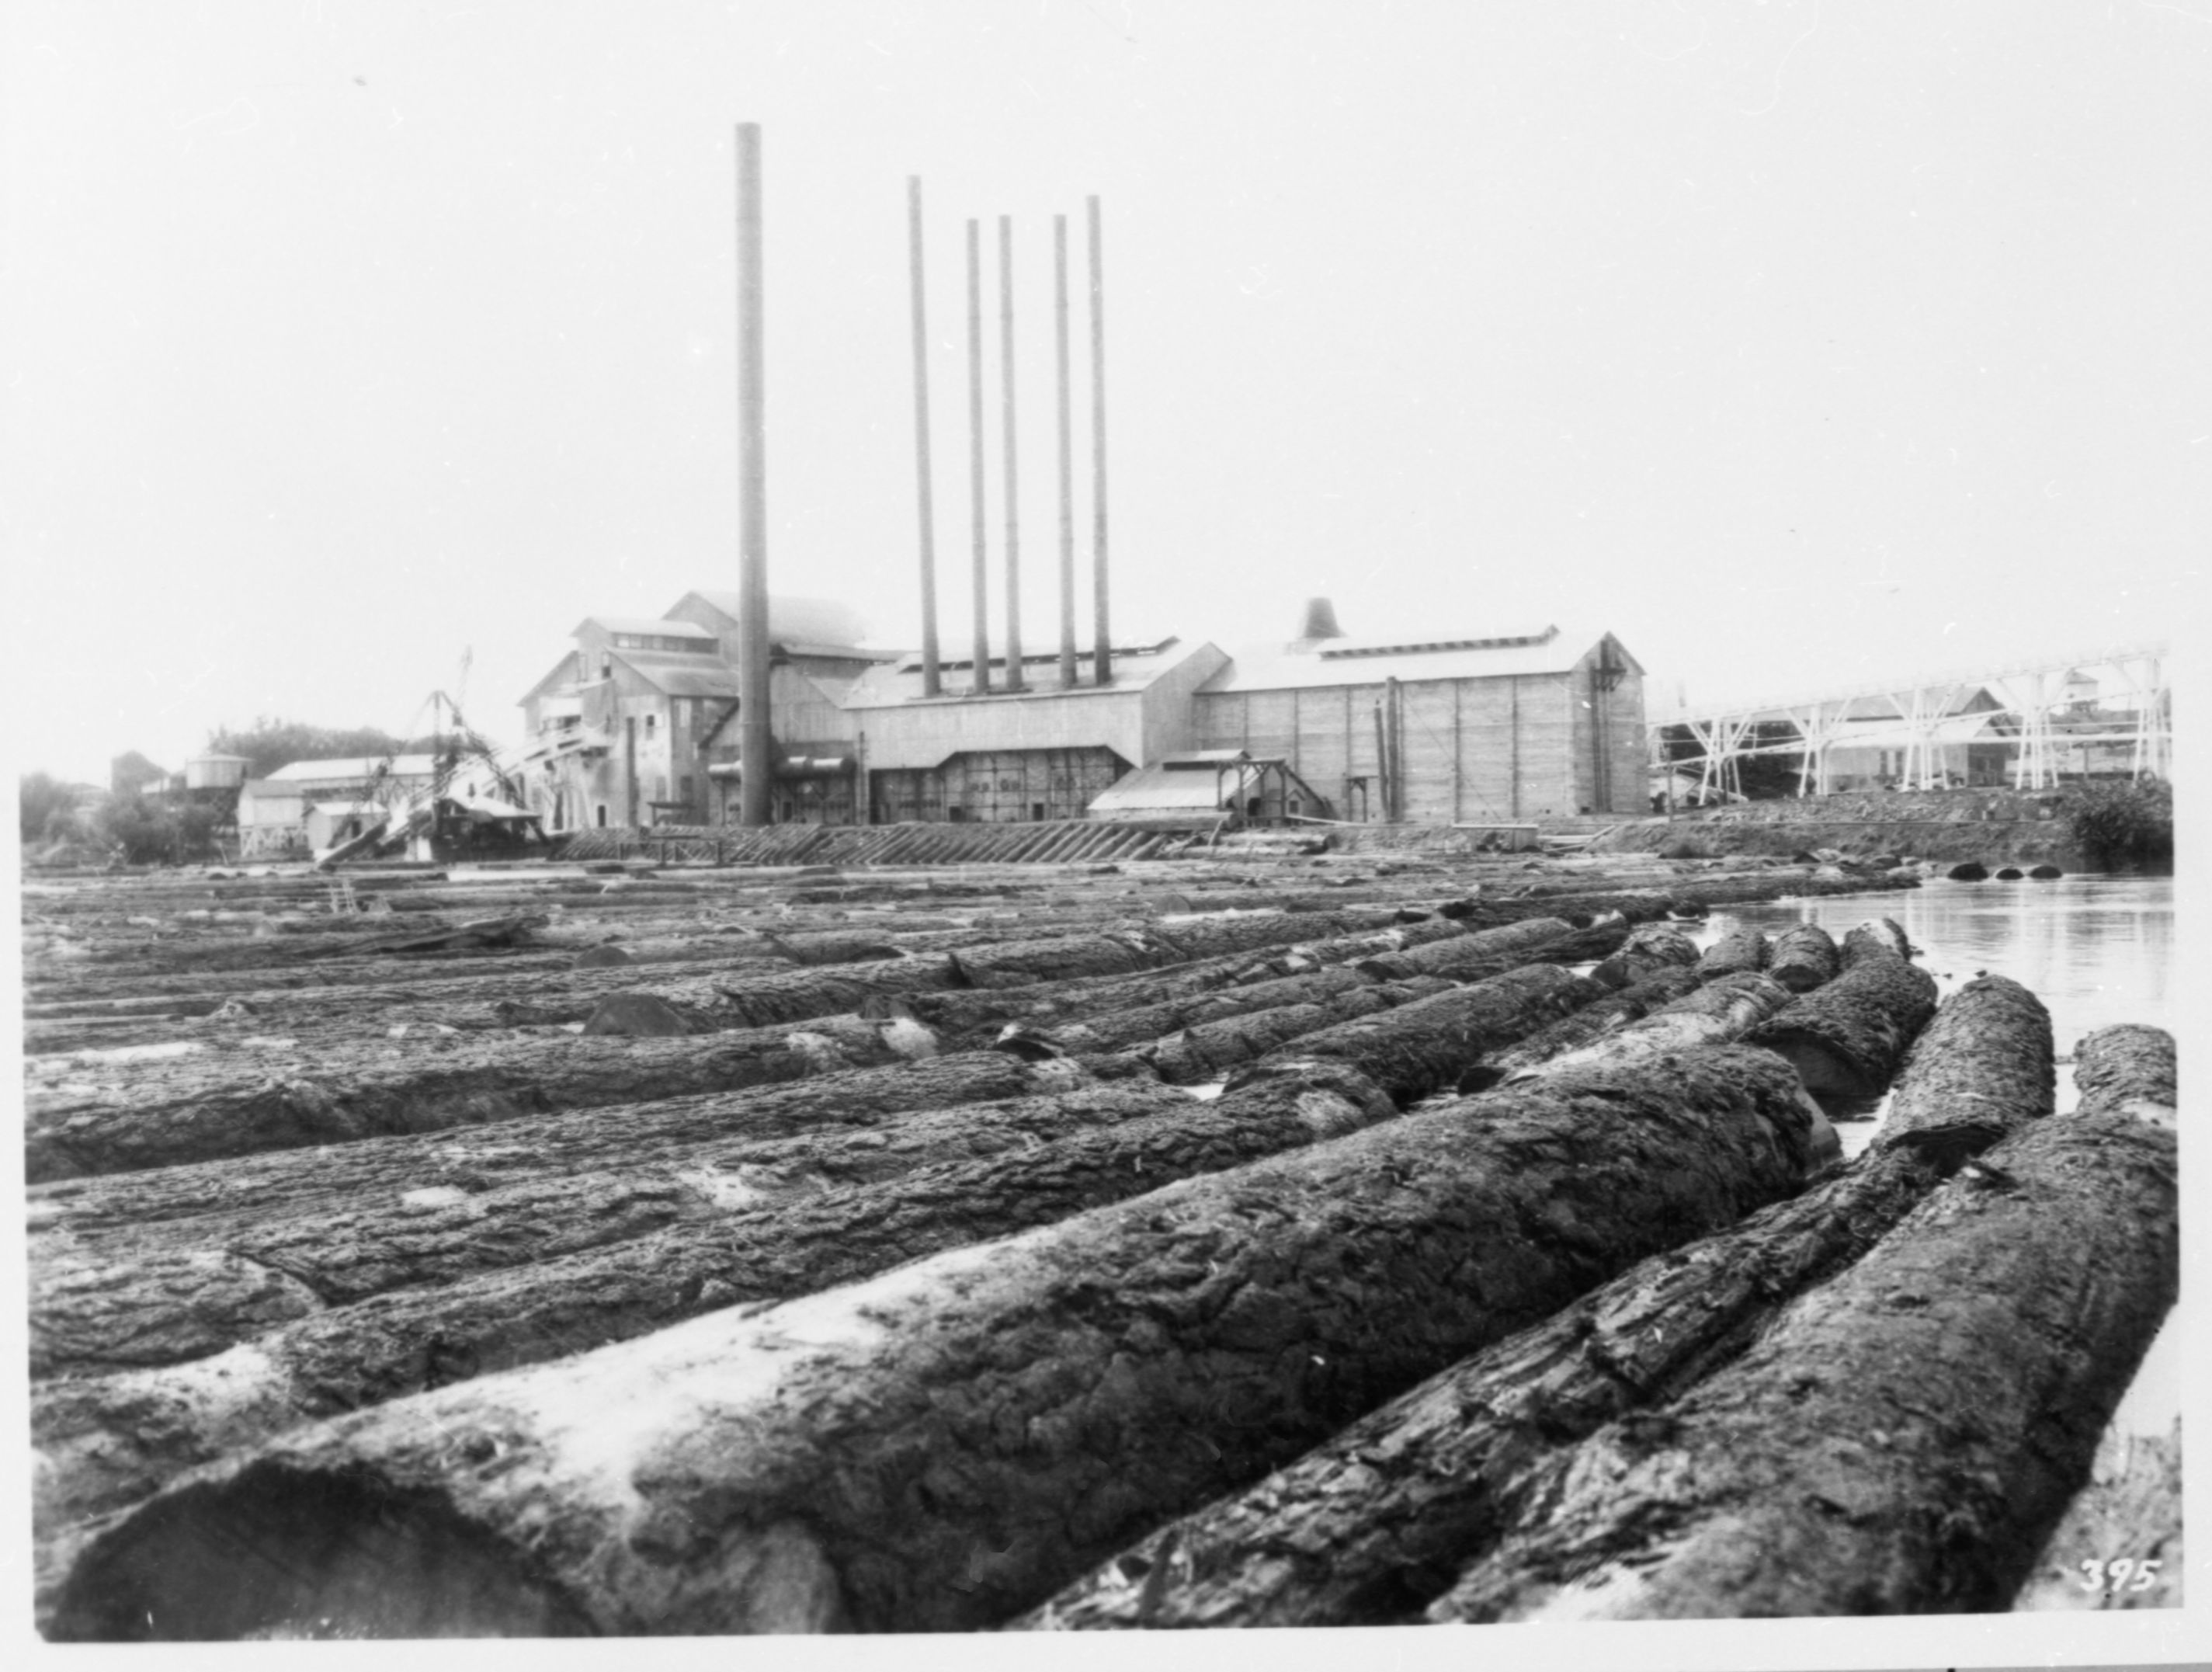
2086	827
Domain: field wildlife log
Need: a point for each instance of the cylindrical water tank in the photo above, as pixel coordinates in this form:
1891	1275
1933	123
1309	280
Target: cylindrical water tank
215	771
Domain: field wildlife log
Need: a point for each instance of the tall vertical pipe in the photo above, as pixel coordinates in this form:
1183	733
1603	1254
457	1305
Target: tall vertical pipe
1102	656
975	457
753	735
931	679
1066	458
1006	426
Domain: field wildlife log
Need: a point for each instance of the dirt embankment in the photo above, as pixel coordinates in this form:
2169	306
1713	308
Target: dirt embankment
1994	826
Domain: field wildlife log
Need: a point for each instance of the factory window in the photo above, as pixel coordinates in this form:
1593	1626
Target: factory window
603	815
651	721
1036	811
686	781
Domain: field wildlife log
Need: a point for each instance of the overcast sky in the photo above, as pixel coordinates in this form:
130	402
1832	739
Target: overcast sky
1797	343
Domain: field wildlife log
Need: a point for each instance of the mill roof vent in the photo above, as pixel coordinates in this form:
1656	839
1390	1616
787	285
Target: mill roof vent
1320	623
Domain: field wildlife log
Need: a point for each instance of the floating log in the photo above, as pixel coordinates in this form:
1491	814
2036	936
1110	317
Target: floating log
1368	1527
1847	1038
1717	1012
974	1015
802	1213
1485	952
1739	950
1118	1029
1578	1028
505	931
675	1132
1422	1046
1804	956
1650	949
1904	1438
210	1109
1207	1050
1983	1066
1876	934
2127	1070
944	1445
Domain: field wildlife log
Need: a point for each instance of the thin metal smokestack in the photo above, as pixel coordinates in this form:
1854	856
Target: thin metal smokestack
1068	678
1102	656
1007	425
975	457
931	680
754	804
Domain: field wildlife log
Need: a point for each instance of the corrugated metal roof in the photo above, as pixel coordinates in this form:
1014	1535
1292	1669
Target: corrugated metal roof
1371	661
1135	666
1162	787
358	767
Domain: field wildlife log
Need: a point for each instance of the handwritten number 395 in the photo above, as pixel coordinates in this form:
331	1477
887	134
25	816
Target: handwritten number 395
2114	1575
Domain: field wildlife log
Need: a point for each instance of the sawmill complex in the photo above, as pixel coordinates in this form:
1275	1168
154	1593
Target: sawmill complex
637	726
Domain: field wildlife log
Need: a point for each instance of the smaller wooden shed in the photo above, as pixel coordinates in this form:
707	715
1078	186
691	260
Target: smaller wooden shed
1201	782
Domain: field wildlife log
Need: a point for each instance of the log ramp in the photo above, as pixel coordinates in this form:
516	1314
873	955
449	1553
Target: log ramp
1003	1415
1370	1528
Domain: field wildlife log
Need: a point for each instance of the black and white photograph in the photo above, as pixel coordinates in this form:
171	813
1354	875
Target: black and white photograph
936	820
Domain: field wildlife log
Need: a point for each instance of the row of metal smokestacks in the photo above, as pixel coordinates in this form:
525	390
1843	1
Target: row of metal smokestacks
754	744
1102	672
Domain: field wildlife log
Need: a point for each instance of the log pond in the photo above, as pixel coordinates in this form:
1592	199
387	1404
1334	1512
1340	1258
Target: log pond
2097	950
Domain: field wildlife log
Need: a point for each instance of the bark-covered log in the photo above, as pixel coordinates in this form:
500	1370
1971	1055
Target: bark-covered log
1585	1027
1486	952
1983	1066
1739	950
1368	1527
974	1015
1016	963
825	1213
1876	934
207	1108
1207	1050
1847	1038
675	1132
1652	948
1904	1438
1212	936
1804	956
1118	1029
1425	1046
1716	1012
2129	1069
946	1445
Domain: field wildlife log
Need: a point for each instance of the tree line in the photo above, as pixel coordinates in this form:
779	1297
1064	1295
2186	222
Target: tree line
137	821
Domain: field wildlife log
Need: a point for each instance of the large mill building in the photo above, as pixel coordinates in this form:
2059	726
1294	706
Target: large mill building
636	725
